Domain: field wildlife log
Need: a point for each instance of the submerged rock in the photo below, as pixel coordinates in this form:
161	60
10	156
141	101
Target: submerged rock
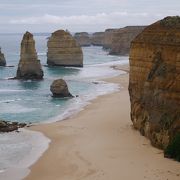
154	85
63	50
83	38
2	59
29	66
59	88
10	126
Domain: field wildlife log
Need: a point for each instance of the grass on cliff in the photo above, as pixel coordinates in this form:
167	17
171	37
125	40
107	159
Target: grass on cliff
173	149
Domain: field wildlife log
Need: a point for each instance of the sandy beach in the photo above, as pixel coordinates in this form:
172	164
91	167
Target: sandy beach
99	143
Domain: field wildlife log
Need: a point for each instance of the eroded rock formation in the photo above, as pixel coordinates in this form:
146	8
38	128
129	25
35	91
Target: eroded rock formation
154	85
59	88
122	38
63	50
108	38
2	59
97	38
29	66
83	38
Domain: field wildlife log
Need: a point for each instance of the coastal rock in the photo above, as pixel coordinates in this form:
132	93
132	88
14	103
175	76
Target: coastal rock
122	38
97	38
83	39
59	88
63	50
108	38
10	126
2	59
29	66
154	84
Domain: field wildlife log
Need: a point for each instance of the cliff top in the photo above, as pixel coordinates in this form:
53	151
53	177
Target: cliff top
170	22
81	34
60	33
27	35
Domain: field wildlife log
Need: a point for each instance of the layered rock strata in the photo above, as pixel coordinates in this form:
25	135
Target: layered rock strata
59	88
83	39
122	38
154	84
97	38
29	66
108	38
63	50
2	59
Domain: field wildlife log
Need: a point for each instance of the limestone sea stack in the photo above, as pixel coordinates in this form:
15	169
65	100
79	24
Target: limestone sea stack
82	38
97	38
29	66
2	59
154	84
63	50
122	38
59	88
108	37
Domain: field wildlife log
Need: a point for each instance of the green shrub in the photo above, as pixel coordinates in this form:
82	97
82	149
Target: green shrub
173	149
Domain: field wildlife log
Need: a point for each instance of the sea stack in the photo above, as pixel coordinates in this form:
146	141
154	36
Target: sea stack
60	89
29	66
2	59
154	85
63	50
82	38
97	38
108	37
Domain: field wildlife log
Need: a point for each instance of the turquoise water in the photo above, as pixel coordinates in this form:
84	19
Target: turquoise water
31	101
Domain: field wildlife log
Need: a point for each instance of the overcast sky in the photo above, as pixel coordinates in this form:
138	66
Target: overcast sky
81	15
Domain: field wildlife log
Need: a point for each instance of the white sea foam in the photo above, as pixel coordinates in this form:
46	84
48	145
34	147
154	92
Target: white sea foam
19	151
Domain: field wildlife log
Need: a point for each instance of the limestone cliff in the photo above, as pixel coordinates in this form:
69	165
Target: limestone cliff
97	38
2	59
154	84
108	37
122	38
63	50
29	66
83	38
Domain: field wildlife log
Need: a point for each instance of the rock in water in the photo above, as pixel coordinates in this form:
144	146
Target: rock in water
97	39
83	38
2	59
59	88
108	38
154	85
122	38
29	66
63	50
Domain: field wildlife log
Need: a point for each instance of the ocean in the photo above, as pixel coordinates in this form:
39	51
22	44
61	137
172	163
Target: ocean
32	102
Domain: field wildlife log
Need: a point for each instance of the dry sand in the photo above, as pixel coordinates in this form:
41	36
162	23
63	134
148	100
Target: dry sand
99	143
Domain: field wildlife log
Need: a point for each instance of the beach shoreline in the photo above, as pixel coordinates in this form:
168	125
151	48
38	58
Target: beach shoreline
100	143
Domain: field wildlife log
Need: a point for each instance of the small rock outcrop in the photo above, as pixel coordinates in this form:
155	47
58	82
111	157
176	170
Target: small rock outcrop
122	38
10	126
154	84
29	66
108	38
2	59
59	88
83	39
97	38
63	50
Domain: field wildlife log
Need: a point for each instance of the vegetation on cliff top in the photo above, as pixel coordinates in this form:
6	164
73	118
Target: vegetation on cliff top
171	21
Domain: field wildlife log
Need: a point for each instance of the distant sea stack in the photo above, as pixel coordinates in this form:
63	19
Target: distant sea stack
83	38
154	85
97	38
122	38
29	66
63	50
2	59
108	37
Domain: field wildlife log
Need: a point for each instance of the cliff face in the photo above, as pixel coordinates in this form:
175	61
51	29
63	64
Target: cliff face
2	59
63	50
83	39
29	66
122	38
108	37
154	84
97	39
